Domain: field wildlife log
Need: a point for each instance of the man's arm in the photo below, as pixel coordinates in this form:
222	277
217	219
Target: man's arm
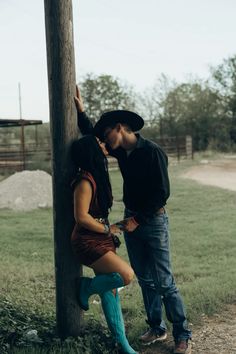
84	124
83	121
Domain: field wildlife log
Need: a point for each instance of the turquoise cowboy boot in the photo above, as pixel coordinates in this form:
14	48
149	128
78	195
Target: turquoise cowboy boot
97	285
112	311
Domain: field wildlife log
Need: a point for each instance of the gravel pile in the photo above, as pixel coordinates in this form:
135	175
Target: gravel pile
26	190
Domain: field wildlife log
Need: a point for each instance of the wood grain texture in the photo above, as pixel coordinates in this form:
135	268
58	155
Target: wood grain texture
61	83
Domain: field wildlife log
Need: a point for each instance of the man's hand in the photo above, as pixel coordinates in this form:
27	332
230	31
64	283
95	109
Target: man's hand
79	101
128	224
114	229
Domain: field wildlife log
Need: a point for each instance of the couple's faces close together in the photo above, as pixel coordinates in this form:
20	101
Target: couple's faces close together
102	146
111	137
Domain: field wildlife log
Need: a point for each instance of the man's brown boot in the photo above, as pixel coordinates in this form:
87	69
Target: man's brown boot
152	336
183	347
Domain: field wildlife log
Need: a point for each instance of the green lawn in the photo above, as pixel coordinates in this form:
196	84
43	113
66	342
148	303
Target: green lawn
203	244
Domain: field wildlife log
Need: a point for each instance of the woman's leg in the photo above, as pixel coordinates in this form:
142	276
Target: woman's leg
112	311
110	263
112	272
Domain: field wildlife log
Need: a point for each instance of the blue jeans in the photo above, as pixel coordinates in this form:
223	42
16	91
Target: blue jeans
149	254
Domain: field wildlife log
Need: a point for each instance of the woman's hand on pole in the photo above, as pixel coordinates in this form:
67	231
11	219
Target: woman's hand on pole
79	101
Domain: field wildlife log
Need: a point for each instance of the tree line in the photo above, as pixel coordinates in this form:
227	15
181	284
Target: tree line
204	109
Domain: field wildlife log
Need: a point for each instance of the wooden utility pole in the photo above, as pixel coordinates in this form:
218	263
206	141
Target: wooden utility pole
61	82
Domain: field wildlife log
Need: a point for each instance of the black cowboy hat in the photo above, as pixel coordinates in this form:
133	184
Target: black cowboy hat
109	119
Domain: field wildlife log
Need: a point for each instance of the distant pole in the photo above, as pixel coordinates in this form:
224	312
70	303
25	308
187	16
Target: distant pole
22	139
36	135
61	82
19	91
22	142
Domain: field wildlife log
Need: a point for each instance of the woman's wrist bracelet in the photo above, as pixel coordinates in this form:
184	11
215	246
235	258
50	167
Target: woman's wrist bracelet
106	229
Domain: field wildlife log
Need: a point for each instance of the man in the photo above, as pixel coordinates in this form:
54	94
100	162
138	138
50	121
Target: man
143	165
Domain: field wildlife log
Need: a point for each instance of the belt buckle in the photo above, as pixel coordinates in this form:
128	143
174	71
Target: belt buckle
161	211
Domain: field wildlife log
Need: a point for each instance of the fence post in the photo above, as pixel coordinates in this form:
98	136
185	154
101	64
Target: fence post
177	147
189	146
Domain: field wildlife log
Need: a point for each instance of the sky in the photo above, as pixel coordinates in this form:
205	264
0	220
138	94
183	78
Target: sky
134	40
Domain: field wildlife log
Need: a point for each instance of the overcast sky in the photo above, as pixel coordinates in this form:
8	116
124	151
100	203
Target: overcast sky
134	40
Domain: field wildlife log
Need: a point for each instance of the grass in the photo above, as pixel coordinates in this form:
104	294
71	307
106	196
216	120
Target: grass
203	247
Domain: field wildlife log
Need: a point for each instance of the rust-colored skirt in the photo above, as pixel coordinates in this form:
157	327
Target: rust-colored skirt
89	246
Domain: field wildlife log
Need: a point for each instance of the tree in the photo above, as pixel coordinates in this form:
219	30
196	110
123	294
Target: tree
224	81
153	97
103	93
150	106
192	108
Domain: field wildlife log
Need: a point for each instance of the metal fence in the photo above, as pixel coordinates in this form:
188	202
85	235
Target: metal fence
179	147
13	158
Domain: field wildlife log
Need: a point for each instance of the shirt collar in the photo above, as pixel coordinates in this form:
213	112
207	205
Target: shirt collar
140	142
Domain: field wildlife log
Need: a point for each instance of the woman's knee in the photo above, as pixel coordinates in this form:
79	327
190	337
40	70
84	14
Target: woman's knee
128	276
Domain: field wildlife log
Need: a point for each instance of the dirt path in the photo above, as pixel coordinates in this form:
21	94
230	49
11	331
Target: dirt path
217	334
220	173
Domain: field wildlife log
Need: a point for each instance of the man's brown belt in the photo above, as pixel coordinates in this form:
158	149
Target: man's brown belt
161	211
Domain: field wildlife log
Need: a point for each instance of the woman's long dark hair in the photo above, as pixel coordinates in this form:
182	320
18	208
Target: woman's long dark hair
88	156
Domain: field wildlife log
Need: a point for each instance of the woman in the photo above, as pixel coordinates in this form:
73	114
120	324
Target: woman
92	237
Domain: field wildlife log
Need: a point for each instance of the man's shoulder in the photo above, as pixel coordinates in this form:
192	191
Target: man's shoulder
152	145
